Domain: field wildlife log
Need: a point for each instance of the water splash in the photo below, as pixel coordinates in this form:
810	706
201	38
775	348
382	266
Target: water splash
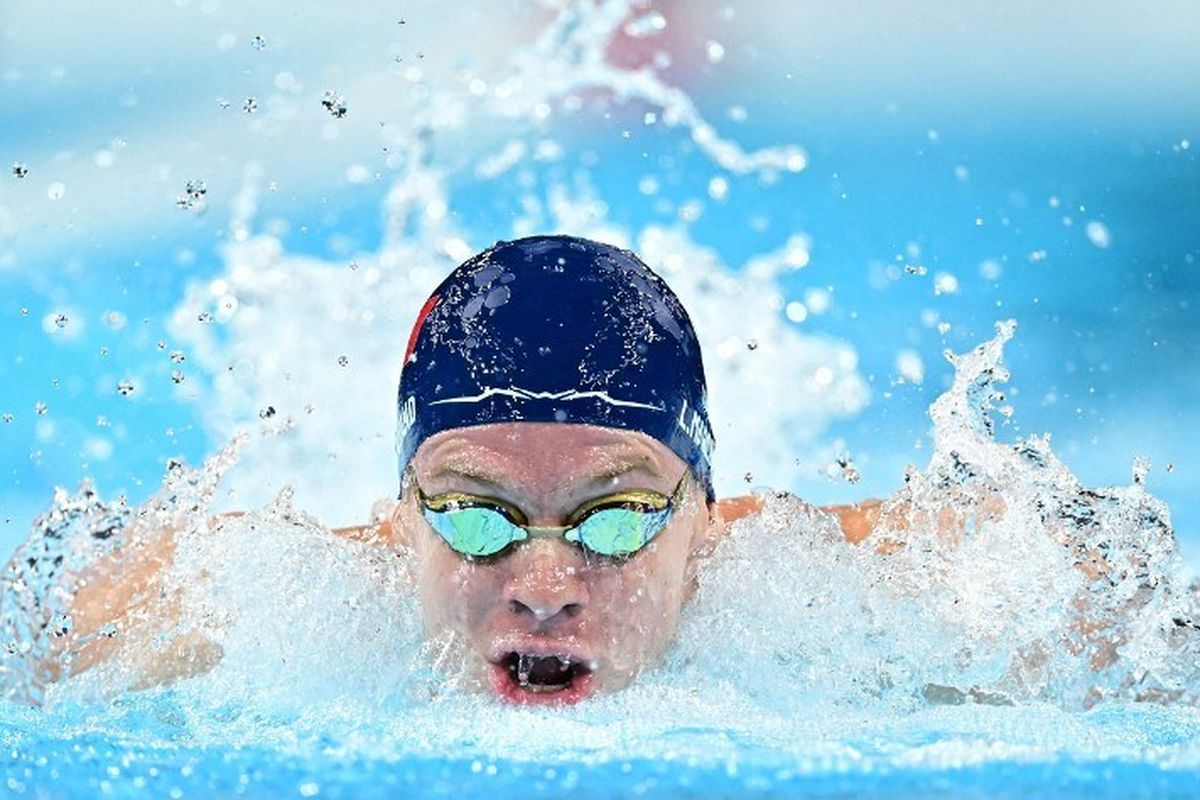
78	534
993	578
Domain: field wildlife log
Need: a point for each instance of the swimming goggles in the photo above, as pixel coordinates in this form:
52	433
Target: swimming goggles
616	525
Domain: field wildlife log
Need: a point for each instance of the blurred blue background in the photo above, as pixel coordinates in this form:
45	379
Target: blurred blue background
966	163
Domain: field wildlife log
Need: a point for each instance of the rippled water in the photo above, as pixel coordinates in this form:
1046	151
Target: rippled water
1007	631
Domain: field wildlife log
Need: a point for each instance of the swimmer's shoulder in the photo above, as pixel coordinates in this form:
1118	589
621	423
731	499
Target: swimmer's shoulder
857	520
380	530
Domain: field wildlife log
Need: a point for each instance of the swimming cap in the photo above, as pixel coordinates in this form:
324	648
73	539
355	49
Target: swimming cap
556	329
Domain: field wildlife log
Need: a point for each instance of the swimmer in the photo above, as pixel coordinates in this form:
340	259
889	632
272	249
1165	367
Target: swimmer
555	488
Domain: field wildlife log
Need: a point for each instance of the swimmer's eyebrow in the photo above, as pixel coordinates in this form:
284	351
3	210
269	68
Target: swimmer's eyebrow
468	474
626	463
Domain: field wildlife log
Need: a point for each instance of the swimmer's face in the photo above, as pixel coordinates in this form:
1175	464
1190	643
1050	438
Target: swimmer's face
582	623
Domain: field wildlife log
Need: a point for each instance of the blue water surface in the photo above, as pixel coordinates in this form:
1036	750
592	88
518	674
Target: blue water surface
960	753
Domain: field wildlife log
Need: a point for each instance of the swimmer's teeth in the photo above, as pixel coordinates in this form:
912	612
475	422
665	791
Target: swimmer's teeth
524	665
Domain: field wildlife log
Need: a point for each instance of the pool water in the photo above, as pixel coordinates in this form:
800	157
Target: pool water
951	753
191	277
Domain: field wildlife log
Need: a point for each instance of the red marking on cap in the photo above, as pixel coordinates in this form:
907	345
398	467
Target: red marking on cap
412	337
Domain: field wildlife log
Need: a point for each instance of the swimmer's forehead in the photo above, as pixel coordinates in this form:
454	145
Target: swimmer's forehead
507	453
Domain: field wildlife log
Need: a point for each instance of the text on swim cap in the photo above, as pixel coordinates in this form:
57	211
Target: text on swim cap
694	426
406	415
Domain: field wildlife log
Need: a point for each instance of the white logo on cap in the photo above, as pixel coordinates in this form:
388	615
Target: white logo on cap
696	430
405	418
518	393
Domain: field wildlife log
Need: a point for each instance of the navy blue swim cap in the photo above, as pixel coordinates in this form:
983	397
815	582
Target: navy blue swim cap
556	329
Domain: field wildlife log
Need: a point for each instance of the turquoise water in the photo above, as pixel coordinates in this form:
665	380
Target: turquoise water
1146	752
868	188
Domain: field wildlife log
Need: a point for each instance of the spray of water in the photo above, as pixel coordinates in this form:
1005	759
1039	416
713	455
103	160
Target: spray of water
993	577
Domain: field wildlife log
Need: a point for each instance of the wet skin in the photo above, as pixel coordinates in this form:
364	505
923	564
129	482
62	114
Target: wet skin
546	597
604	619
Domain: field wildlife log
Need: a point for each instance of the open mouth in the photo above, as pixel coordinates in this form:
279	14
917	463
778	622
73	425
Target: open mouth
541	678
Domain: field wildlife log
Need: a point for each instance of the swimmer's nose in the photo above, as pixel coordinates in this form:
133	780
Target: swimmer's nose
545	582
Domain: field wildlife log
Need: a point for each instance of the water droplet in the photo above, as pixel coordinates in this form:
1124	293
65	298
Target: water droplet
691	210
910	366
7	417
24	312
796	160
125	388
748	477
849	472
39	408
250	106
204	317
102	421
334	103
1099	235
61	320
343	361
177	357
714	52
990	270
1170	468
266	413
19	170
258	42
162	344
718	188
177	376
915	269
649	24
945	283
192	198
1141	469
752	344
56	190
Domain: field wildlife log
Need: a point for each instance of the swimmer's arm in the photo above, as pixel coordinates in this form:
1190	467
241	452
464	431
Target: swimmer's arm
379	530
857	521
119	608
375	533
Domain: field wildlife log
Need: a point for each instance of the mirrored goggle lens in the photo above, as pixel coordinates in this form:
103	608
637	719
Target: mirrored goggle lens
619	531
474	531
